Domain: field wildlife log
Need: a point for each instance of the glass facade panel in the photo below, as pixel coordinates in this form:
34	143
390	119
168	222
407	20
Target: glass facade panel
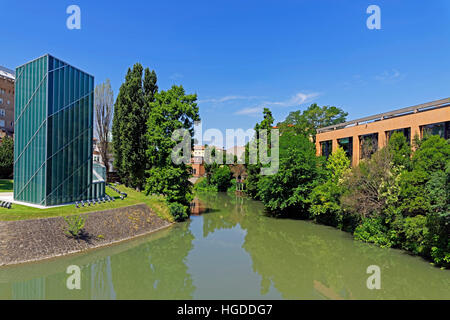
326	148
347	145
368	145
406	132
442	129
54	128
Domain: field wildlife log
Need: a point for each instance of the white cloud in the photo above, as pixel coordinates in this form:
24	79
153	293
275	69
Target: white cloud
390	76
176	76
249	111
296	100
228	98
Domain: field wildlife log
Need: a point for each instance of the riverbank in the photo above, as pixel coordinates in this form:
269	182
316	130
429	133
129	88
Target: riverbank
24	241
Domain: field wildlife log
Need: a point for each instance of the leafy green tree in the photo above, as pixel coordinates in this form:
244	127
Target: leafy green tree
131	112
254	170
211	166
400	150
325	197
172	109
308	121
432	156
222	178
6	157
287	191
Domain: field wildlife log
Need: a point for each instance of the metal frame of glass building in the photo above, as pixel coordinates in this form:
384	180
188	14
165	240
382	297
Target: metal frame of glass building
53	123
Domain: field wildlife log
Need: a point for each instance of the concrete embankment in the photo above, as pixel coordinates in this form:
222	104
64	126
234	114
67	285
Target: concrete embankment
32	240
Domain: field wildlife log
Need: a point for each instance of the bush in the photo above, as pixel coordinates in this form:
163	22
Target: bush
202	185
375	231
416	234
75	225
178	211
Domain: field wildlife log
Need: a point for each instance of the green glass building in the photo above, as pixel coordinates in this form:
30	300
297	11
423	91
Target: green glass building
53	122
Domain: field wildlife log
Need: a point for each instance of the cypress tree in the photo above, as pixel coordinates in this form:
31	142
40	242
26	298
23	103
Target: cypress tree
131	113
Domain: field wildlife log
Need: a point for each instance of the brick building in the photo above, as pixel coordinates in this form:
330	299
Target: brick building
7	79
361	137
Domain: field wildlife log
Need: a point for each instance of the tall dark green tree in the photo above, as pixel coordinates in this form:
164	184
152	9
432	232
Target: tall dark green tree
131	112
172	109
254	169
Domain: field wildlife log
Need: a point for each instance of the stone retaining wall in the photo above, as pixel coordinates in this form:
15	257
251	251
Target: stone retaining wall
31	240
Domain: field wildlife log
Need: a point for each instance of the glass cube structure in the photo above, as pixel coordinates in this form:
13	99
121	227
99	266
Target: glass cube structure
53	122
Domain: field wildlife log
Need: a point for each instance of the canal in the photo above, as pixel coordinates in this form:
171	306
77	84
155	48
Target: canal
231	250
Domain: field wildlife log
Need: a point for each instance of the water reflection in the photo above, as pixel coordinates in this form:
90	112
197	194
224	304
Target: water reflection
151	268
307	261
230	249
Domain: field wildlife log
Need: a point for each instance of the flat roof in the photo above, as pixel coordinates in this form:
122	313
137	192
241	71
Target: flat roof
391	114
8	73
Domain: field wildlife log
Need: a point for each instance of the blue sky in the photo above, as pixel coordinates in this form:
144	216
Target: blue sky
240	56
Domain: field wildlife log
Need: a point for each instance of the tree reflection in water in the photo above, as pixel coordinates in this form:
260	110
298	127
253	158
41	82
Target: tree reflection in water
303	260
232	250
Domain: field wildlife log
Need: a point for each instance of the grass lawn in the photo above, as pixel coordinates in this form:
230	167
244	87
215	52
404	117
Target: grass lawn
6	185
19	212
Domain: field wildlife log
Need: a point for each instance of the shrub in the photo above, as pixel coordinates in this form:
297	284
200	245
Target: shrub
178	211
416	234
202	185
75	225
375	231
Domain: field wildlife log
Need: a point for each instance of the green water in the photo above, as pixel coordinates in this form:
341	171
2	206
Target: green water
232	251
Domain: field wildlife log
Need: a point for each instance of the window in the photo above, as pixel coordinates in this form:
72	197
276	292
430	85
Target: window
442	129
368	145
347	145
406	132
1	101
2	123
8	102
326	148
2	112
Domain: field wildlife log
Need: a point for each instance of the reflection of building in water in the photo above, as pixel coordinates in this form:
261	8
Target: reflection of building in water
197	207
240	175
96	283
102	286
33	289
